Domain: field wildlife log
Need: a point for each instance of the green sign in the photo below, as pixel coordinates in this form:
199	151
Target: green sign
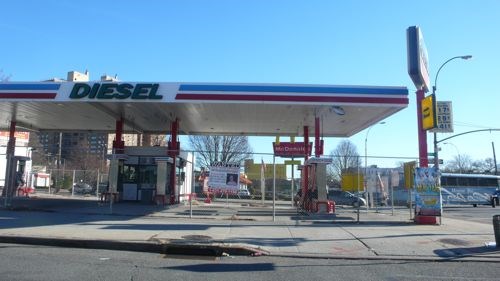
292	162
141	91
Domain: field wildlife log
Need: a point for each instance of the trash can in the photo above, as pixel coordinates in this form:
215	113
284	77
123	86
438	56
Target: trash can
496	229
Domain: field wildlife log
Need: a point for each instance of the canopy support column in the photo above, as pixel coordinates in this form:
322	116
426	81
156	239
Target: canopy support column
118	143
8	190
305	170
173	152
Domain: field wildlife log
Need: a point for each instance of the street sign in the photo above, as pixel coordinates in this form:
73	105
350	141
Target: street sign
292	162
318	160
431	160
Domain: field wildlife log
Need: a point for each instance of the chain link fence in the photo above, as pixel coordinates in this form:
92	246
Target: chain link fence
79	183
261	187
267	188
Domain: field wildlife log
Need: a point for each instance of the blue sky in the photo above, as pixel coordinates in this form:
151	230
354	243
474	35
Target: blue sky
300	42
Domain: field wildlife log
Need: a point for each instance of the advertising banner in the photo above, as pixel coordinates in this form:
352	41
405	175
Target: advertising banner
224	177
428	201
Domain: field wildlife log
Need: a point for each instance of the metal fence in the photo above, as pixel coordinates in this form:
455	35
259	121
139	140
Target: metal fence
270	189
267	188
77	182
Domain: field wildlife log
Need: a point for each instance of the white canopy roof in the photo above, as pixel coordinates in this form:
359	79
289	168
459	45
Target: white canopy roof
202	108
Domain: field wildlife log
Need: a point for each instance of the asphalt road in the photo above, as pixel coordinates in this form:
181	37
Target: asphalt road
482	214
24	262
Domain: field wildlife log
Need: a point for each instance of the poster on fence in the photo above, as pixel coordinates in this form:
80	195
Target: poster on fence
224	177
428	200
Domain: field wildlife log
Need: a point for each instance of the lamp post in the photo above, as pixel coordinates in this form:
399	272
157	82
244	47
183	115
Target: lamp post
458	153
436	158
366	163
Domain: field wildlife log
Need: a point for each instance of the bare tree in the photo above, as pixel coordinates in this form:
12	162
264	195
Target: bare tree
345	156
158	140
3	77
486	166
461	163
210	149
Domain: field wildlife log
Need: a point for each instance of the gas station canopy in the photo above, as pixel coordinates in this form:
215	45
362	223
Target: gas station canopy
202	108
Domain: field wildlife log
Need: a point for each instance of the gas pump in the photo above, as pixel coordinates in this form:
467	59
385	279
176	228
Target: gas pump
14	177
316	195
115	175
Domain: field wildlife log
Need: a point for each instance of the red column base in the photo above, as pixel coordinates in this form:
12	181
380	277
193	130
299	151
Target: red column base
425	220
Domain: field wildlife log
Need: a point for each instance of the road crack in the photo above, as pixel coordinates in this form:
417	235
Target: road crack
361	241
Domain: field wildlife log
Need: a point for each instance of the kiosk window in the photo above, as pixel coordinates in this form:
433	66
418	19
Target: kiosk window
147	174
129	174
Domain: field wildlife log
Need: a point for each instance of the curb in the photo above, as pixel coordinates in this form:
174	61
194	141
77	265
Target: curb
468	258
212	249
185	248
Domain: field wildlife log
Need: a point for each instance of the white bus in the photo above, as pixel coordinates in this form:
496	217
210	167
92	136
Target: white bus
470	189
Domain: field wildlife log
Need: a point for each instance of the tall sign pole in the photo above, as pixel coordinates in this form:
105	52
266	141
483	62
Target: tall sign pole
418	69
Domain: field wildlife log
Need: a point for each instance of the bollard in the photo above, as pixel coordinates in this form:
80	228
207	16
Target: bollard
496	228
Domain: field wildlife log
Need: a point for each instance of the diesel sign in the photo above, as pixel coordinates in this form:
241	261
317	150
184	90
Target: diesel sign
98	91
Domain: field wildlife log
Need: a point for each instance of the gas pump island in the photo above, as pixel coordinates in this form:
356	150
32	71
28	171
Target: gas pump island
192	109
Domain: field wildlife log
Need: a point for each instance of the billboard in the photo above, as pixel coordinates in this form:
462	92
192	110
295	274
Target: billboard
224	177
418	62
352	182
253	170
428	200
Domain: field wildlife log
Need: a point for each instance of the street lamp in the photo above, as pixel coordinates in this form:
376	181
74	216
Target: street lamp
458	153
366	161
436	158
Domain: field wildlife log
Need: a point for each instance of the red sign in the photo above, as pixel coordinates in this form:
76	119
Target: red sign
20	136
291	149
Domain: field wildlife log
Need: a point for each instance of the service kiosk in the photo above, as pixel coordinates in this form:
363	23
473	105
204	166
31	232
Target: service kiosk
143	174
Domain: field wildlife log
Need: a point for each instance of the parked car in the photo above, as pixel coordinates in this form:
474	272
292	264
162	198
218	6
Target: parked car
244	193
83	188
346	198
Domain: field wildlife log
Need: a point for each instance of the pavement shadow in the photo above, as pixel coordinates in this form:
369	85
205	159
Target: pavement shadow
198	212
465	252
224	267
354	223
32	212
155	227
274	242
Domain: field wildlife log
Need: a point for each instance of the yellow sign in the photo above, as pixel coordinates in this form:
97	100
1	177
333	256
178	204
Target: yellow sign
253	171
352	182
292	162
409	168
429	120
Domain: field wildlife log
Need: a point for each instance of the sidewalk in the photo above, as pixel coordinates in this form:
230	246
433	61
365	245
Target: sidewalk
237	228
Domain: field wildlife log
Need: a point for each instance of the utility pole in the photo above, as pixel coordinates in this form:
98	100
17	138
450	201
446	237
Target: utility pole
494	158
